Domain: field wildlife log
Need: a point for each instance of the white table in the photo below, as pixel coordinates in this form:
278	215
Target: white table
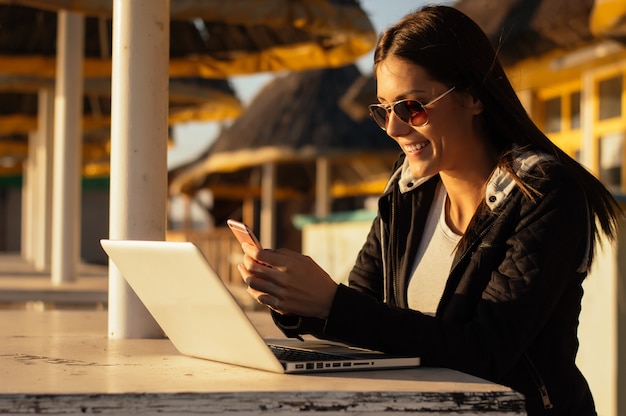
62	362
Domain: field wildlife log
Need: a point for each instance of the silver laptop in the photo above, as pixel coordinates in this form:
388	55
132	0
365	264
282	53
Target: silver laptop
202	319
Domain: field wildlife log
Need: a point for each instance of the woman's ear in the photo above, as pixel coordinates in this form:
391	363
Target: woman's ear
472	101
476	105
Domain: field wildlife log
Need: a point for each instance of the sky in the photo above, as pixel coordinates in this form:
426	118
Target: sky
192	138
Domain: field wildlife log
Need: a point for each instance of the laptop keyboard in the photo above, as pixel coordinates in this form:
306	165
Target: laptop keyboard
291	354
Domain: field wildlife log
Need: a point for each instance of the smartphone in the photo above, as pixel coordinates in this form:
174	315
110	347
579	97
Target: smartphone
243	233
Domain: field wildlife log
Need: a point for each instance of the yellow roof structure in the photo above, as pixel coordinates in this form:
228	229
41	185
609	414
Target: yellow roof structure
208	39
608	17
526	29
194	99
305	123
233	37
189	99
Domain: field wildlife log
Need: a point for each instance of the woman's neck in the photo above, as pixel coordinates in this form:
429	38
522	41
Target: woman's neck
465	193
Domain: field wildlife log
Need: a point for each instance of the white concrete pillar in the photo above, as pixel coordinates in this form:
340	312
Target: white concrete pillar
268	205
68	113
323	199
139	131
28	204
43	158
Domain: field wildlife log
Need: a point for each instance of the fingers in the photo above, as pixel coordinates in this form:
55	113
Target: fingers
271	302
287	282
255	289
272	258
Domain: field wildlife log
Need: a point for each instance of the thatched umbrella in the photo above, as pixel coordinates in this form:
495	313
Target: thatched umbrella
201	99
209	38
339	34
525	28
28	32
519	29
189	99
296	126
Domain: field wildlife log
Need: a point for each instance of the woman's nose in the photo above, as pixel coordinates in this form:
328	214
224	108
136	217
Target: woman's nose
395	125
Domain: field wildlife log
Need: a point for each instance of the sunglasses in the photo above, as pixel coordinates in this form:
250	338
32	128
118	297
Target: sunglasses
410	111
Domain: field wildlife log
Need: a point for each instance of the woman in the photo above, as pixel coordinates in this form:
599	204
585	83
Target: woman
483	236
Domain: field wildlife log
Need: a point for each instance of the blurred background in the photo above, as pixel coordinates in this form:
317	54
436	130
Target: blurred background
268	124
192	136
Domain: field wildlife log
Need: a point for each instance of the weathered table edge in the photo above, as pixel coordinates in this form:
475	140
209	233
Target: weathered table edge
285	403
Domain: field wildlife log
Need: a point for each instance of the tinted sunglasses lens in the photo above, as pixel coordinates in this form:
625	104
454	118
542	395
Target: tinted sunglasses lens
411	111
379	114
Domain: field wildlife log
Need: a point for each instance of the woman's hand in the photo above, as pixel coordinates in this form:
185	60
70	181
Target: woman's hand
287	282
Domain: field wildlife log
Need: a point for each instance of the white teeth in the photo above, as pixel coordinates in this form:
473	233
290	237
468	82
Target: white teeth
415	147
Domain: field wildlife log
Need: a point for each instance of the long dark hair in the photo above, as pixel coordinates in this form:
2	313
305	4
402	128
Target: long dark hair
454	50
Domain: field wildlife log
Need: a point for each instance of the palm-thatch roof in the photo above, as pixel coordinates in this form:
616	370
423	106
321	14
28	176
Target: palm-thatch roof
189	99
293	121
519	29
230	40
208	38
31	34
295	117
524	28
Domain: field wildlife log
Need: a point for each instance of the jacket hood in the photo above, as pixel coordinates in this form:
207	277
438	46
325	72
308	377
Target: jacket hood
501	182
500	185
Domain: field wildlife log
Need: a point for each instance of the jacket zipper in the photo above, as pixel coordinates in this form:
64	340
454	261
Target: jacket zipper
537	379
467	251
539	383
384	260
392	263
536	376
471	246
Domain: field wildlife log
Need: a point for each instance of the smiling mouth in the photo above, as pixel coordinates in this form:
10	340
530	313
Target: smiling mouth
412	148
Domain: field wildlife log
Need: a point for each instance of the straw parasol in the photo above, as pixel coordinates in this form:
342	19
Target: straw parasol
32	32
335	39
190	99
209	38
29	35
526	28
519	29
292	122
295	144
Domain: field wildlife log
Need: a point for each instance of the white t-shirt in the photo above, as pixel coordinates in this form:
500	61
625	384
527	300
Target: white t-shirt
434	258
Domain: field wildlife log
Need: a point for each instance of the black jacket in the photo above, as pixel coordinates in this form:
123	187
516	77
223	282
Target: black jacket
509	311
